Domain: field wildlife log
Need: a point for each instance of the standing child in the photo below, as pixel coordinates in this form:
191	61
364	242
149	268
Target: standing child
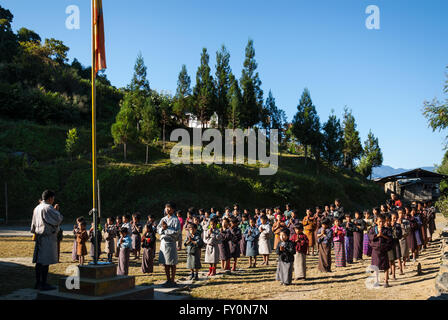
212	240
358	235
367	249
110	232
349	230
149	245
324	240
182	223
285	251
234	241
339	243
277	227
405	231
193	243
243	227
224	248
264	242
380	242
118	225
81	238
125	246
395	252
300	241
293	222
251	234
92	239
137	229
75	243
412	236
308	226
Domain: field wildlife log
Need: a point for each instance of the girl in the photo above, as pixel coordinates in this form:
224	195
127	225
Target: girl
110	233
251	235
349	230
182	222
118	224
278	226
149	245
300	241
380	241
125	246
324	240
339	243
367	249
395	252
358	234
264	242
193	243
136	229
212	240
92	239
293	222
81	238
224	249
309	226
412	236
405	230
285	251
243	227
75	243
234	241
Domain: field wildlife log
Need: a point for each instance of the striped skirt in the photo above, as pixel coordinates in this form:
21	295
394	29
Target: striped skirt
349	249
367	249
339	254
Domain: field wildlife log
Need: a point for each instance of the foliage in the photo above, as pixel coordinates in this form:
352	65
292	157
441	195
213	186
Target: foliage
72	142
332	140
352	143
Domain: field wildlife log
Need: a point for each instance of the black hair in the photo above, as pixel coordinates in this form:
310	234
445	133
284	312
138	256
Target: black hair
285	231
136	215
170	205
326	222
298	226
47	194
127	216
83	223
80	219
150	216
124	230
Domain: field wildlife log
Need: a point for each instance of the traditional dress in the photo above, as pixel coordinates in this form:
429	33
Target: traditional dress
179	239
234	243
367	249
349	245
431	221
339	246
418	232
411	239
251	241
285	262
324	244
277	228
110	232
123	259
45	225
291	224
301	245
81	239
358	234
405	232
194	251
118	229
92	241
149	247
395	252
75	244
380	247
308	228
136	229
224	246
168	239
243	227
212	240
264	242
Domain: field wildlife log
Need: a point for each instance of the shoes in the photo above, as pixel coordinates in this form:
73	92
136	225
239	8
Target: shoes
196	277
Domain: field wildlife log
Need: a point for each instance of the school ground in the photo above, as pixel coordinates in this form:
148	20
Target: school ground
17	276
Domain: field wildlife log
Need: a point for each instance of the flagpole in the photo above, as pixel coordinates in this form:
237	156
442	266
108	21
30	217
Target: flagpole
94	147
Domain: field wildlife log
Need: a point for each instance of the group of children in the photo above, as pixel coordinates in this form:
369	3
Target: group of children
388	235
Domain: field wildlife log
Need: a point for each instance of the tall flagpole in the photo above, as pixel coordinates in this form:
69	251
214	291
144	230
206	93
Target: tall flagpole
94	147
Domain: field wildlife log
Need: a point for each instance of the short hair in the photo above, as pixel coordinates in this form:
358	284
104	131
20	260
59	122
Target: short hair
80	219
263	217
298	226
337	200
150	216
348	214
245	216
325	221
124	230
285	231
193	225
127	216
234	220
47	194
119	217
136	215
111	218
170	205
83	223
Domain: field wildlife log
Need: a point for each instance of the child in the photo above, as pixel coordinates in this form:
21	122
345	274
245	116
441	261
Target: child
193	243
136	229
127	224
251	235
212	240
264	243
324	240
285	251
309	226
380	241
234	241
358	235
118	225
300	241
243	227
405	231
125	246
75	243
224	249
293	222
182	222
367	249
339	243
92	239
81	238
149	245
395	252
278	226
412	236
349	230
110	232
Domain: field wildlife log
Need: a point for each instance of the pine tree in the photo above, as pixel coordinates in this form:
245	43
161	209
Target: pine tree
204	91
372	156
72	142
182	100
274	118
251	88
124	130
352	143
149	128
235	101
306	124
333	143
222	85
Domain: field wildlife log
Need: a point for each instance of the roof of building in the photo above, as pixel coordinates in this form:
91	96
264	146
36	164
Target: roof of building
413	174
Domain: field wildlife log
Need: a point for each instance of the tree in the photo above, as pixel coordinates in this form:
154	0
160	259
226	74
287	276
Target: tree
250	82
222	84
123	130
352	143
273	117
306	124
332	140
372	156
8	40
204	91
71	143
58	51
235	101
182	100
26	35
149	128
164	107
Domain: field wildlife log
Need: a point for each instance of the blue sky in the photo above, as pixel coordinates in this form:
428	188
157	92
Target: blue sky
382	75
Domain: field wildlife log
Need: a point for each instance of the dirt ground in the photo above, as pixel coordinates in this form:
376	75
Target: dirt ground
17	275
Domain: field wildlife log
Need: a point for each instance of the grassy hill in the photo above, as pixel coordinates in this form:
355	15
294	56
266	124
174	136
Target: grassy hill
32	158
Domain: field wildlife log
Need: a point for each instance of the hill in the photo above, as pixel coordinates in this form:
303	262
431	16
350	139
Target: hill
385	171
32	158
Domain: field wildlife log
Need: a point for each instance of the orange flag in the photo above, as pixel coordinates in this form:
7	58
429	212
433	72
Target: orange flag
98	29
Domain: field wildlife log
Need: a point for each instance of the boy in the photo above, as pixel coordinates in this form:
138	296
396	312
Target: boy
251	235
358	235
224	248
349	230
234	243
264	243
300	241
124	245
110	232
118	225
81	238
324	240
285	251
193	243
212	241
136	229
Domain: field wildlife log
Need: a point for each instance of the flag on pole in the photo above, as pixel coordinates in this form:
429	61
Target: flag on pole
98	28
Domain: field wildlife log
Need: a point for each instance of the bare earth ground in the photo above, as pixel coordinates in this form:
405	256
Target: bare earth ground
17	276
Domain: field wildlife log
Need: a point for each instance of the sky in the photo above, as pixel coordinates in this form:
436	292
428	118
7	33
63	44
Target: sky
383	75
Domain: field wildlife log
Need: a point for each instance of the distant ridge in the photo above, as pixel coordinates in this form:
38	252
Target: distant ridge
385	171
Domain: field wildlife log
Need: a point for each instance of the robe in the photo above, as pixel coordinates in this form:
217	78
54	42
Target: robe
324	245
308	228
149	246
110	232
301	245
358	237
123	259
252	241
168	240
224	245
264	241
212	241
380	247
234	242
194	251
285	262
136	230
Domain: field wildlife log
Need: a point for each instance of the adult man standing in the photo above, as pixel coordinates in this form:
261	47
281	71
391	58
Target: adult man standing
169	230
45	226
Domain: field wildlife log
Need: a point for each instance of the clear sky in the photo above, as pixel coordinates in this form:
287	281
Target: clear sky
382	75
